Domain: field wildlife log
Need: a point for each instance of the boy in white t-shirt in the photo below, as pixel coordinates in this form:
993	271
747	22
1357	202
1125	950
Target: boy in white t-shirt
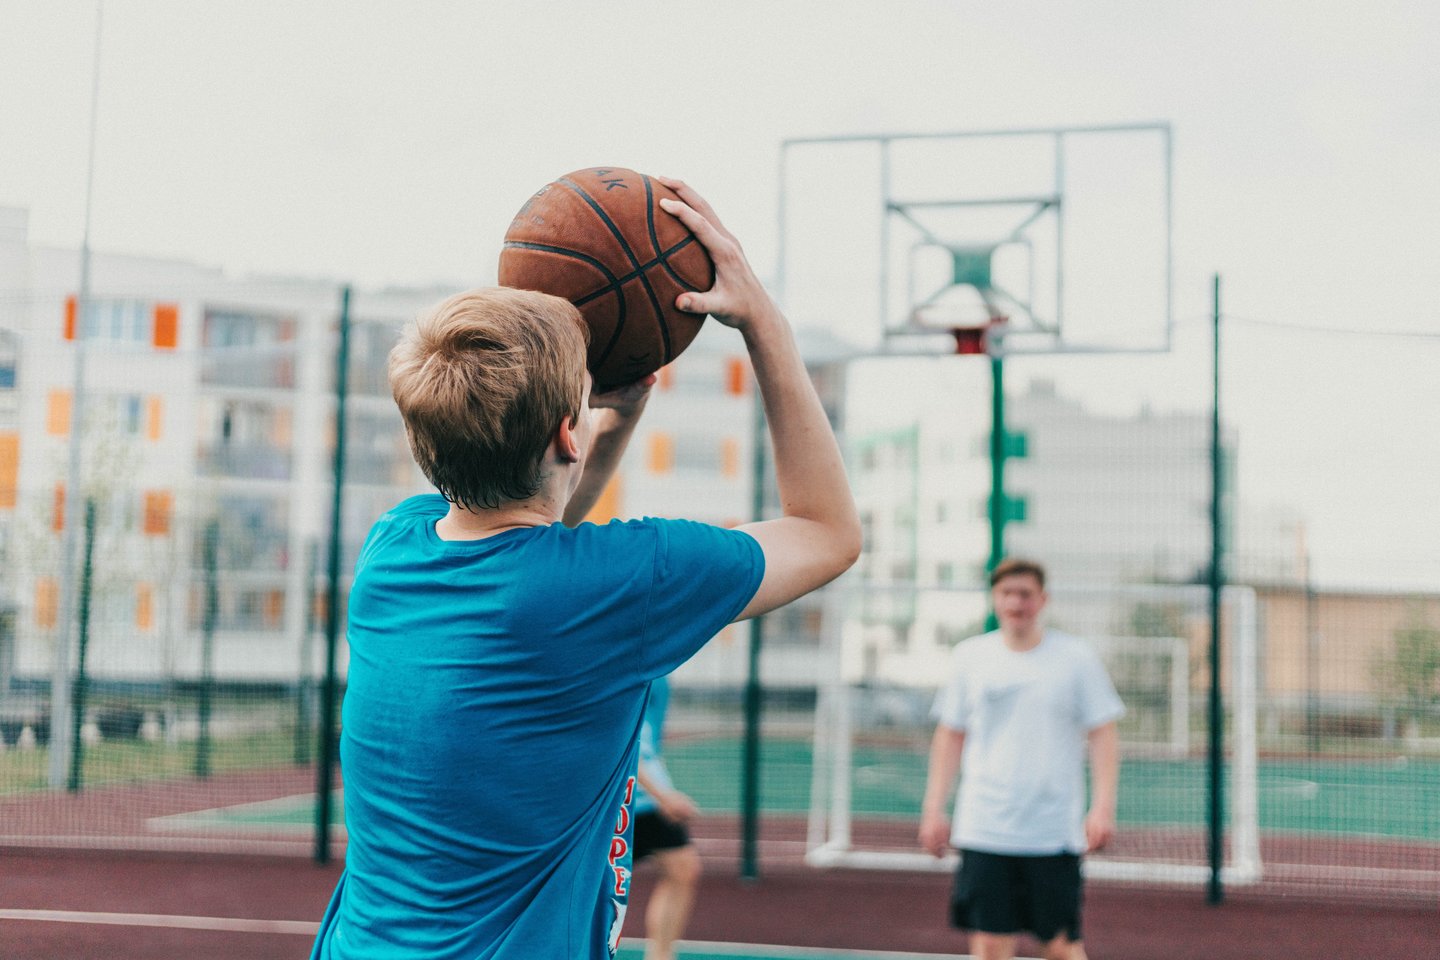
1022	706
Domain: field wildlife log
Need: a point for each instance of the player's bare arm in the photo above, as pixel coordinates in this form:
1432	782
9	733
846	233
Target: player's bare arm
1104	742
946	748
616	414
818	537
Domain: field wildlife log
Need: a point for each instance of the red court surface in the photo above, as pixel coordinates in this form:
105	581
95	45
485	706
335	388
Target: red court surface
791	905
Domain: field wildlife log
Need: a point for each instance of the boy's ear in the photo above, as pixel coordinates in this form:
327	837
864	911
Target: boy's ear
566	444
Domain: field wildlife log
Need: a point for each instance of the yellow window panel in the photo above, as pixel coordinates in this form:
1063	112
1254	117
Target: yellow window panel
144	606
47	602
9	469
154	418
57	413
662	452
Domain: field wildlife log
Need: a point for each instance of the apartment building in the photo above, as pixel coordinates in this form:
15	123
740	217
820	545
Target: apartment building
208	404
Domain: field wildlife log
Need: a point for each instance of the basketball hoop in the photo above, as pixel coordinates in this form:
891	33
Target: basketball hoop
971	330
984	338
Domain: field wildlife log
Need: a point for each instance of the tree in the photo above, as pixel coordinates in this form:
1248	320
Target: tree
1408	674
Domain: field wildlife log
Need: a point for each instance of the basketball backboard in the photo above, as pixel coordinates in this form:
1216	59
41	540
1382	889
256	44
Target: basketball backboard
1062	235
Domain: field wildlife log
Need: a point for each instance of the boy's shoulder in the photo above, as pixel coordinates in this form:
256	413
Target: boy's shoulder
423	504
1068	644
980	647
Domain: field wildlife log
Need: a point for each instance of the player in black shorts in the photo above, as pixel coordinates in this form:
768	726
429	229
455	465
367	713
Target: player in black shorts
1023	707
1007	894
661	816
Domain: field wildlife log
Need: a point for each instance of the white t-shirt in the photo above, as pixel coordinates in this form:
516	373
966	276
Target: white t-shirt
1025	716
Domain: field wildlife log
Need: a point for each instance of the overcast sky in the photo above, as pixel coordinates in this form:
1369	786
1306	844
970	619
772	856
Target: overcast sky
391	143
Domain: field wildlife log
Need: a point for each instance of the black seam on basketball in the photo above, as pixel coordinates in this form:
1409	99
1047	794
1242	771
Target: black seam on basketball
566	252
613	286
655	245
629	255
604	218
665	263
663	256
622	280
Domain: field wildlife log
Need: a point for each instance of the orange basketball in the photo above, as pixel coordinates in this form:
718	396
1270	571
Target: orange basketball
599	238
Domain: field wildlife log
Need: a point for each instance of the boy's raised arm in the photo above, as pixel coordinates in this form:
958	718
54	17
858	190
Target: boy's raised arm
818	536
616	414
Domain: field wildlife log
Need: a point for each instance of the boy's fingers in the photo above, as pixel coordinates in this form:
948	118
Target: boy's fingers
698	223
687	193
694	303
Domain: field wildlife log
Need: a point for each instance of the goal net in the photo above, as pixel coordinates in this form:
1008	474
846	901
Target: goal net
885	653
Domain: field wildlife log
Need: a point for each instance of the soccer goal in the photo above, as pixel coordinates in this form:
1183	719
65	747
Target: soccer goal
885	653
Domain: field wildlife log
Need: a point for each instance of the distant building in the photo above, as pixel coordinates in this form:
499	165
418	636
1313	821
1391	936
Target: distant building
1103	500
206	400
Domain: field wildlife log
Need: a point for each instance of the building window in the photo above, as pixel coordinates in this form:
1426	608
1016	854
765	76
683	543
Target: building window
131	408
118	321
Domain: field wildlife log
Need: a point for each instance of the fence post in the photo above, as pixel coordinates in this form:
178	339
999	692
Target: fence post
325	773
82	679
1215	893
207	647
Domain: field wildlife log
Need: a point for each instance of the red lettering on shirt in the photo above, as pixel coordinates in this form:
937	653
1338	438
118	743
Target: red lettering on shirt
629	791
623	823
622	879
618	847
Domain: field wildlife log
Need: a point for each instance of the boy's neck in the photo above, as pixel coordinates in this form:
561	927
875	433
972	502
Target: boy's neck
1020	641
463	524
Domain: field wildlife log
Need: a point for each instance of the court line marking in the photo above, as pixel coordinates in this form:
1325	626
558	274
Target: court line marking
742	950
225	924
310	928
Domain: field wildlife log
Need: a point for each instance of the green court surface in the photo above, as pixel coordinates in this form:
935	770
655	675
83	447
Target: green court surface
1392	798
1396	798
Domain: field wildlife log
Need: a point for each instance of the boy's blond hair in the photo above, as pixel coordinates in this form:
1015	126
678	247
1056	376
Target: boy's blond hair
483	380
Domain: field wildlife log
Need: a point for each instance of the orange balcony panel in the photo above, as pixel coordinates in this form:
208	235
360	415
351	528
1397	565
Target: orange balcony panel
166	335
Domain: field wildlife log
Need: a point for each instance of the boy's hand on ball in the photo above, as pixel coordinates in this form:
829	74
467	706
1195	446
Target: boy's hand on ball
628	400
737	298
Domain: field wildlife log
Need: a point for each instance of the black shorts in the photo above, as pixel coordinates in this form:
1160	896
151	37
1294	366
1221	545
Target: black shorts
654	833
1004	893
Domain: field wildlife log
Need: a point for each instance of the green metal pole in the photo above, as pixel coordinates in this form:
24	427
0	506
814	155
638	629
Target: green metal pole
750	758
82	678
326	770
1215	893
304	687
207	646
998	506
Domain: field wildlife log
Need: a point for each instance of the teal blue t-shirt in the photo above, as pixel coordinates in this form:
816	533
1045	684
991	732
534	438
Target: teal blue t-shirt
652	738
492	712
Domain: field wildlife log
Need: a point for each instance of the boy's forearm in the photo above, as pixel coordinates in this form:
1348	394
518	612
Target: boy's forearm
613	431
946	748
809	469
1104	767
